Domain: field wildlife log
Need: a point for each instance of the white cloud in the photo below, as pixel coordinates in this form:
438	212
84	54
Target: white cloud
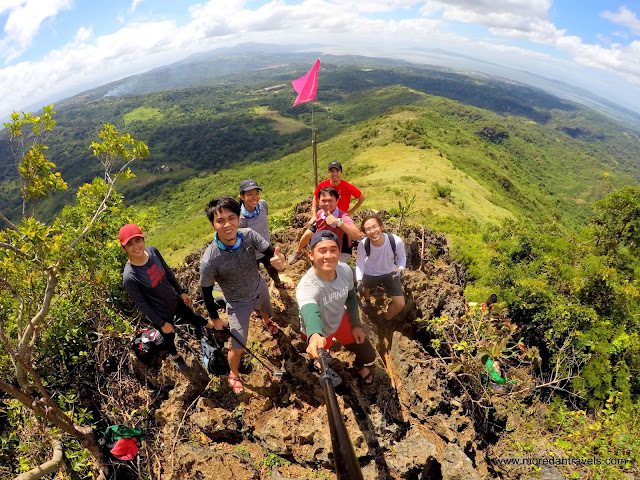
486	12
23	23
134	4
624	17
8	5
136	47
375	6
529	20
82	35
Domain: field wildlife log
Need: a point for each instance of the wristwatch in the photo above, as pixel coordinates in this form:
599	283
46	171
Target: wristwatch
340	222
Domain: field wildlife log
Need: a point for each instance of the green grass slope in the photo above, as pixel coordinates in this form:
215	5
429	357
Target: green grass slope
466	166
232	120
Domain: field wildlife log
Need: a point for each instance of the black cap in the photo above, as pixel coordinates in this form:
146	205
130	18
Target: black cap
323	235
337	165
249	184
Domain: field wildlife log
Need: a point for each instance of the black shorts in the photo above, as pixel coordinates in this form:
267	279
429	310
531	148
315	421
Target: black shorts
392	286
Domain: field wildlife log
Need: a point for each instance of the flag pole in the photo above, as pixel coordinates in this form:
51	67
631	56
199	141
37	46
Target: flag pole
314	152
306	87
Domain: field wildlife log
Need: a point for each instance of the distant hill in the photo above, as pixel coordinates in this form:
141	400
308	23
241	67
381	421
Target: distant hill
538	153
203	68
467	168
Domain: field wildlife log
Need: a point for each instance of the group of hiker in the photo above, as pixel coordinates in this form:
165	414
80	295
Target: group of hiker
326	294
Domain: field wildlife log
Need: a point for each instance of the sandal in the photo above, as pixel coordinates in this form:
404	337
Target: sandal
236	385
367	379
271	327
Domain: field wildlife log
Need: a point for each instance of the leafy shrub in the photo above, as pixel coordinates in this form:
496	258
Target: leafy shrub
441	191
558	288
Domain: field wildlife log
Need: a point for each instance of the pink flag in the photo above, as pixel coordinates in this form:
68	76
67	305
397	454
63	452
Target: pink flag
307	86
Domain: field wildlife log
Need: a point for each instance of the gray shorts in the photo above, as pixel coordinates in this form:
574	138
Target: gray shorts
240	313
392	286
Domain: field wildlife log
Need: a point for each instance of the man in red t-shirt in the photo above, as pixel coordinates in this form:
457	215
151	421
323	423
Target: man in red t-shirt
345	192
345	189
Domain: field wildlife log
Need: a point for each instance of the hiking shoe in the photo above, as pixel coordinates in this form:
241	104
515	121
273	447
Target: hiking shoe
180	363
294	257
271	327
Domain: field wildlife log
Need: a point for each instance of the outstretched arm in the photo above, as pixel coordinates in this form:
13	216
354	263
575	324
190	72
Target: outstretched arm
352	231
314	209
212	307
352	309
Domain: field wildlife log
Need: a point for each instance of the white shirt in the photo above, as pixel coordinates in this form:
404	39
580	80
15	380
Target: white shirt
380	260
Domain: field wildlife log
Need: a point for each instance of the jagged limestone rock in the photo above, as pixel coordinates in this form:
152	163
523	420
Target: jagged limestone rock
414	453
219	424
456	465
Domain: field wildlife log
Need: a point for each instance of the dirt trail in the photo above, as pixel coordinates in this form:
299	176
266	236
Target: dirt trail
412	423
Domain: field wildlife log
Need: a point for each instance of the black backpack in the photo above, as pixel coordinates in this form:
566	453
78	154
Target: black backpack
392	242
213	357
147	345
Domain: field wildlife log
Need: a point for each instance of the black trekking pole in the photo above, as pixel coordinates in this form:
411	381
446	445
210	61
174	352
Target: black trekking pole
344	456
274	373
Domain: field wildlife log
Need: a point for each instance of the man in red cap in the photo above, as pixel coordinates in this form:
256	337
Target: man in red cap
155	290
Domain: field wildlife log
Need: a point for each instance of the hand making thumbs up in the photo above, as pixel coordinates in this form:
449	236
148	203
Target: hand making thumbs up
277	261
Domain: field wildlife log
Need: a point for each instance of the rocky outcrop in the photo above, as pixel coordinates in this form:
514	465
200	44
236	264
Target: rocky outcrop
409	424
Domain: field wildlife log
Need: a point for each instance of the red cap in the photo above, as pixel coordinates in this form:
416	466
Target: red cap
127	232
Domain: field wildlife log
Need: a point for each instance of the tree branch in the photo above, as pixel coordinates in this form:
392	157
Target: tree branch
18	361
20	314
52	281
47	467
100	209
17	251
12	226
50	412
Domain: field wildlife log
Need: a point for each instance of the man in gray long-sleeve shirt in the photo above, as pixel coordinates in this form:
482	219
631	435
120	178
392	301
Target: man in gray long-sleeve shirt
155	290
230	260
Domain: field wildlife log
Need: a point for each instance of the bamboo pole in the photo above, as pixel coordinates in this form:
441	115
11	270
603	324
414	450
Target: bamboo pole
314	151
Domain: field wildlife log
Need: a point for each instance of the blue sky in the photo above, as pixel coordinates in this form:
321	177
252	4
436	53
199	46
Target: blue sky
50	49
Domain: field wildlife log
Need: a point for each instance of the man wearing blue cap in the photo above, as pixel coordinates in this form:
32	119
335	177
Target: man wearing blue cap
328	305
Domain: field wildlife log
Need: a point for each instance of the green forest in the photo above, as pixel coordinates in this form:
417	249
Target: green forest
539	200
